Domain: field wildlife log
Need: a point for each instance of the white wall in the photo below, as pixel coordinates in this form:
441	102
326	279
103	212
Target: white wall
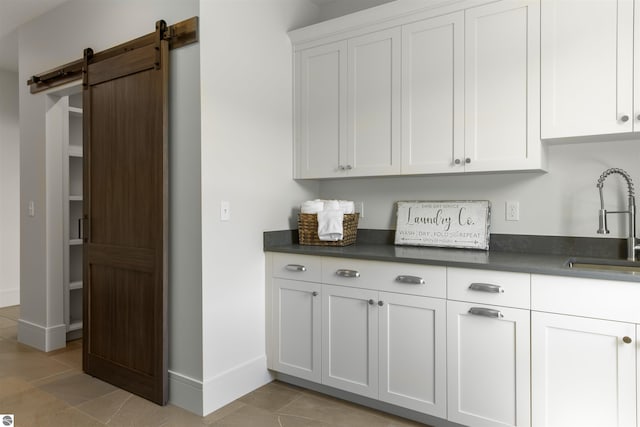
338	8
9	190
246	159
59	37
562	202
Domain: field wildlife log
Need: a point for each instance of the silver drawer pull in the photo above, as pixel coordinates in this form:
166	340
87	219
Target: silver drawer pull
295	267
486	287
486	312
410	280
347	273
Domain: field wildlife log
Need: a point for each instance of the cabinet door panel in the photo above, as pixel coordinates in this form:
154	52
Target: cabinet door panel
321	108
433	94
488	363
413	353
350	340
374	104
297	328
502	78
586	67
583	372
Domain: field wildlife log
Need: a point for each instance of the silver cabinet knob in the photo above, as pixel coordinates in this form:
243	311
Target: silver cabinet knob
638	117
371	302
314	293
340	167
349	167
380	303
626	340
624	118
467	160
457	161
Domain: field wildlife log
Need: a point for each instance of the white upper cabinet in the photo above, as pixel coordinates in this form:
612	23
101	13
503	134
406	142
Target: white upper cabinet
449	91
587	68
432	94
321	126
348	110
502	81
373	128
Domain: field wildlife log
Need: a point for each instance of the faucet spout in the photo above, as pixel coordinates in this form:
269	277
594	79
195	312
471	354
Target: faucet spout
602	222
631	210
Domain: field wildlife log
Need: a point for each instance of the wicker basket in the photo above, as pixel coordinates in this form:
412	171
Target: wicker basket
308	230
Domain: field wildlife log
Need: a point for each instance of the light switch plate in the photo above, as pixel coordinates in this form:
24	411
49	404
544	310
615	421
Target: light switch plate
225	210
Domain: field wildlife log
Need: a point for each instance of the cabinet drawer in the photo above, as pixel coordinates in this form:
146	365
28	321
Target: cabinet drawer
297	267
402	278
489	287
603	299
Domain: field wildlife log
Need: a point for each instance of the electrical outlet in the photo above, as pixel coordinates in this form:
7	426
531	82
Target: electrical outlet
512	211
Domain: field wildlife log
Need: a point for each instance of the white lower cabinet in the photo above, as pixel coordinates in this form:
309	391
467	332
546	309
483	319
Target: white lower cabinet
350	339
297	337
412	360
478	347
583	371
488	362
386	346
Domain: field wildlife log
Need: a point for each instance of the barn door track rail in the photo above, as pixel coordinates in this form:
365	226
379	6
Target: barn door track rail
180	34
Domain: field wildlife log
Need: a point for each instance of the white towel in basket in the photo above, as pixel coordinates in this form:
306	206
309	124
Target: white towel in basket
312	206
330	224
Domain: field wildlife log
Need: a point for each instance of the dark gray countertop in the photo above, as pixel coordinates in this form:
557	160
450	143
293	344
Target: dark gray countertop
537	263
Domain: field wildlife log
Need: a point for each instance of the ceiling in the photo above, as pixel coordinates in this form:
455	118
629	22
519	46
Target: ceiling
14	13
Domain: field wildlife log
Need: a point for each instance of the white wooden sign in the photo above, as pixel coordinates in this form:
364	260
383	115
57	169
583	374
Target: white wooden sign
456	224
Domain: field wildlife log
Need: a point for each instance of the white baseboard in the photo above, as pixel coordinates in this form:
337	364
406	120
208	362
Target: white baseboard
41	337
9	297
234	383
185	392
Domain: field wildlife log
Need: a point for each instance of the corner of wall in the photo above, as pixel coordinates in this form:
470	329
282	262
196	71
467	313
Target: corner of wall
228	386
43	338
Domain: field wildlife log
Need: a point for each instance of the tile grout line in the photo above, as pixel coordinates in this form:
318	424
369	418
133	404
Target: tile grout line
119	408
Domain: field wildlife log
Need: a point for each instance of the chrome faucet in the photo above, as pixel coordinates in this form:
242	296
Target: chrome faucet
631	211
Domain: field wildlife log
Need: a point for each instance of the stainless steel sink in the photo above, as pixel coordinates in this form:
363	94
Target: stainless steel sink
607	265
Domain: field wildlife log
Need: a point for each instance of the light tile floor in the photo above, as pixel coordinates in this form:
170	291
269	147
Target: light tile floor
49	389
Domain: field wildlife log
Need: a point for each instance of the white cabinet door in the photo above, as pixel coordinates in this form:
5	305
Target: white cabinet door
297	334
587	74
350	339
433	94
413	352
636	66
321	107
374	104
502	86
584	374
488	364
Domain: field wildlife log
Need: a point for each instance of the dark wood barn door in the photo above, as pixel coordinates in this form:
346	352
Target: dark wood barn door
125	102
